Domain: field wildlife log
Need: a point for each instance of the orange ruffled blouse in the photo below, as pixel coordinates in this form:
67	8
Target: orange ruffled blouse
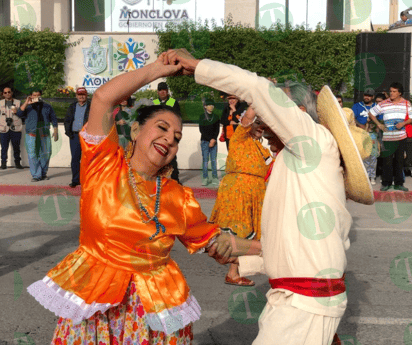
115	244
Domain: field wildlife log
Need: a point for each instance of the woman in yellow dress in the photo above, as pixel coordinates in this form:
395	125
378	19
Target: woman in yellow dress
240	196
120	286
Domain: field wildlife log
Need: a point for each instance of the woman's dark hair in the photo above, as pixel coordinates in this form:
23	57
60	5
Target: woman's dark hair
339	96
130	102
37	90
146	113
397	86
380	95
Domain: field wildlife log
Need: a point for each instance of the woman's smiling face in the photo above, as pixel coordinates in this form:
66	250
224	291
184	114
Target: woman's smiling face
157	141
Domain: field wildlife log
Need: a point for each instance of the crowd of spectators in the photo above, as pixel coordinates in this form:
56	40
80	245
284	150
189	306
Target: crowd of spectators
383	116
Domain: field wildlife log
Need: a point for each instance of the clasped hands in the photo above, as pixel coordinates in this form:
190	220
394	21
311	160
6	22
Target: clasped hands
227	248
176	62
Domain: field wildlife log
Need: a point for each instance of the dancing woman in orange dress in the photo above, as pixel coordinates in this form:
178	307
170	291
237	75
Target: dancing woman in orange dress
120	286
240	196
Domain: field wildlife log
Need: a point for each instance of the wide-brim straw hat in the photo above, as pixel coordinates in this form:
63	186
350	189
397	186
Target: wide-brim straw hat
354	145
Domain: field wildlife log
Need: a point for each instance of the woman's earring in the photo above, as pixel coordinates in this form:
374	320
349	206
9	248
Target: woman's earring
130	149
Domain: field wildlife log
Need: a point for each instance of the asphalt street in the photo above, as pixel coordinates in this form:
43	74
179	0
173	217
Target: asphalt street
34	236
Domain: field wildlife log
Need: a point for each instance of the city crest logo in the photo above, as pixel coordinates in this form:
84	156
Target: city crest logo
95	60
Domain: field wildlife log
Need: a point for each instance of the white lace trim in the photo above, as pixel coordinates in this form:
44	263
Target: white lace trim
63	303
92	139
171	320
209	244
69	306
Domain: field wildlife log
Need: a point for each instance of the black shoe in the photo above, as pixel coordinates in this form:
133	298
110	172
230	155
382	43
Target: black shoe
35	179
74	185
3	165
18	165
45	178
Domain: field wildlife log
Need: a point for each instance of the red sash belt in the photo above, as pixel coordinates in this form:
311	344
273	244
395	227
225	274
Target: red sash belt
311	287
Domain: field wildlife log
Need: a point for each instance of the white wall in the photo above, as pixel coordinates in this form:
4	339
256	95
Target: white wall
188	157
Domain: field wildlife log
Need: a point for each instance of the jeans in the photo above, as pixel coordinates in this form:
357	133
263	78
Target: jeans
38	147
206	151
15	138
392	162
76	152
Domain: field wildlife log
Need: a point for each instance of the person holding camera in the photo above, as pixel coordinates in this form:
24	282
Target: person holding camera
10	127
38	115
77	116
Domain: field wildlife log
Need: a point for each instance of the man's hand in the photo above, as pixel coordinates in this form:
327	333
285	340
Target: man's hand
183	58
400	125
212	143
382	127
121	122
55	134
26	103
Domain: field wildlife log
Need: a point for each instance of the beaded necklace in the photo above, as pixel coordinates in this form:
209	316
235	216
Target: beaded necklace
142	208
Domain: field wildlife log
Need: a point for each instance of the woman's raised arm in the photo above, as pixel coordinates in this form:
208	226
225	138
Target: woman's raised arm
110	94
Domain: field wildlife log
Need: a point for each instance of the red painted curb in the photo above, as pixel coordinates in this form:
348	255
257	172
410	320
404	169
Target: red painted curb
200	193
392	196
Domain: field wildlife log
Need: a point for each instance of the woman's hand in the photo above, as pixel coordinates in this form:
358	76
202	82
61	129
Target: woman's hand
121	122
212	143
167	70
233	122
181	57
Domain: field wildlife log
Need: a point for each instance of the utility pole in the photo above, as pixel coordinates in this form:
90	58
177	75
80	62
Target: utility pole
287	13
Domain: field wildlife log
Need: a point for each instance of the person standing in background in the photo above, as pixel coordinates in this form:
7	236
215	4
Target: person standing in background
165	99
230	117
10	128
209	126
361	109
77	116
38	117
394	111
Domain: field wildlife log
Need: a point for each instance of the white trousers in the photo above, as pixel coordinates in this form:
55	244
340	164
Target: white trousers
282	324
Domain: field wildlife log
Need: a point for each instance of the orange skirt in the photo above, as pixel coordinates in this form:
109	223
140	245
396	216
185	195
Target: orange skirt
239	204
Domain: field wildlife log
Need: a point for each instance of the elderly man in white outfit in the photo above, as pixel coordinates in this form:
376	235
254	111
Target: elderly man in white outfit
305	223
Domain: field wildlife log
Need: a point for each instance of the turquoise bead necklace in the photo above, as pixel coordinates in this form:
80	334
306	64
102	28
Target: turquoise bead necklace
142	208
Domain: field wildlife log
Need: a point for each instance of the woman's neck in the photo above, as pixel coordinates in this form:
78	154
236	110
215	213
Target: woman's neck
146	172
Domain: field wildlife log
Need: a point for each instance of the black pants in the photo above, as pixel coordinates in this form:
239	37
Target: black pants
392	162
175	173
76	152
15	138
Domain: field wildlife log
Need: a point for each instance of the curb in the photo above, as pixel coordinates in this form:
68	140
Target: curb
199	193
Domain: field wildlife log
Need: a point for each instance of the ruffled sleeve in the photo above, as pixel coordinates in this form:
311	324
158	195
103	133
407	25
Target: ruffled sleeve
100	156
198	231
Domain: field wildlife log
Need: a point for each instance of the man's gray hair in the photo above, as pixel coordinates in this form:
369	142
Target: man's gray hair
302	94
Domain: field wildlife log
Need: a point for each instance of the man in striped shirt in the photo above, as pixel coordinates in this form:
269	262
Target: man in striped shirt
394	111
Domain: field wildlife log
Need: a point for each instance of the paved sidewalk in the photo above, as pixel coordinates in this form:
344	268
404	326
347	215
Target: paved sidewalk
17	182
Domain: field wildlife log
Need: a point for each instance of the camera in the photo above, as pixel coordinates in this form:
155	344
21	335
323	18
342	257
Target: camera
37	99
9	122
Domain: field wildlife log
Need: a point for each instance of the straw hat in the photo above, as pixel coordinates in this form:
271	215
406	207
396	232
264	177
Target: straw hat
354	145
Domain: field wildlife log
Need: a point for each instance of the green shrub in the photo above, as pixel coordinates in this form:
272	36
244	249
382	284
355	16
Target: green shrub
37	57
320	57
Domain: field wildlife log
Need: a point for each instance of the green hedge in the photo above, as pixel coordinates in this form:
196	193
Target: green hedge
37	57
319	57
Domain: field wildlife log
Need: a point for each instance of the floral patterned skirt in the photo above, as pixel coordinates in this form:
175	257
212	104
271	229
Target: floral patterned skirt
124	324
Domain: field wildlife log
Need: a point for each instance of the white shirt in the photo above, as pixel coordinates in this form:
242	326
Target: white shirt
305	223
